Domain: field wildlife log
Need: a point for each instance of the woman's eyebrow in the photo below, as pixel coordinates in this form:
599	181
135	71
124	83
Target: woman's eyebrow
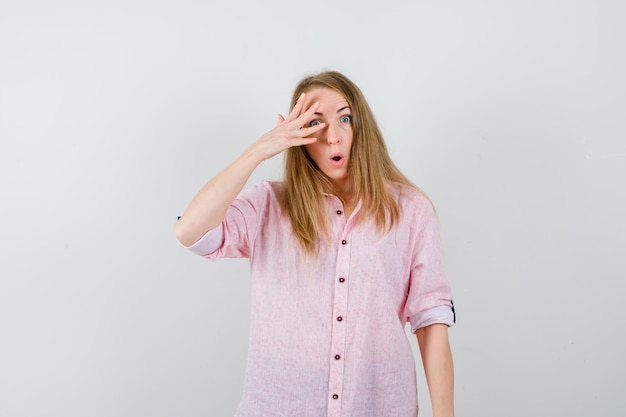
338	111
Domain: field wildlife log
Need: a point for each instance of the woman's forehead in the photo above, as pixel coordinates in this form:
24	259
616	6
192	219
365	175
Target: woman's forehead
325	96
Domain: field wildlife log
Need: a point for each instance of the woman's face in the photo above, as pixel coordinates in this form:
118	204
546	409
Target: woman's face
331	151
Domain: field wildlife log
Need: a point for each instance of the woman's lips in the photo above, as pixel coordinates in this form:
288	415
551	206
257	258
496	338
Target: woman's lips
337	160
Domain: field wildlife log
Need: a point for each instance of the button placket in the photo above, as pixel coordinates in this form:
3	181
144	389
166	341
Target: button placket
338	221
339	323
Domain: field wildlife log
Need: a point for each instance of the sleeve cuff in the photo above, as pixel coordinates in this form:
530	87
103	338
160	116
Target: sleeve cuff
209	243
441	314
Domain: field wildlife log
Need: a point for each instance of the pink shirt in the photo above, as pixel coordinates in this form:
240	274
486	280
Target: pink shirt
327	336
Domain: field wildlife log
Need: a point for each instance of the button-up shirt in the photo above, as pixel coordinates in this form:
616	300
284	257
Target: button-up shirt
327	332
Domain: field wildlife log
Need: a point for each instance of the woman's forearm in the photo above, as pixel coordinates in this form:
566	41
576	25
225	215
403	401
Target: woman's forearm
208	207
438	367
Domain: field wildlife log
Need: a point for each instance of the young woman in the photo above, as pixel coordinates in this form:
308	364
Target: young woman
343	253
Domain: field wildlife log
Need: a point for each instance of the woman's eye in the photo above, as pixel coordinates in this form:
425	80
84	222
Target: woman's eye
346	119
314	123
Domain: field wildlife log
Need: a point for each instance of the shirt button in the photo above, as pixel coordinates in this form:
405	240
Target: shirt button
342	279
335	396
343	242
339	318
339	212
337	357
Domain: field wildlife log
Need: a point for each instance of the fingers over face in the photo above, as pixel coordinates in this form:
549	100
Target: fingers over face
298	118
301	141
309	130
304	117
297	109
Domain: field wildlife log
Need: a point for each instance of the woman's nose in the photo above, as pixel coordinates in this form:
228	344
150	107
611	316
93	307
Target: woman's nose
332	135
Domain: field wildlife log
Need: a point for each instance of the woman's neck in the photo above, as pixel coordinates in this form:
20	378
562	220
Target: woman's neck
348	198
344	189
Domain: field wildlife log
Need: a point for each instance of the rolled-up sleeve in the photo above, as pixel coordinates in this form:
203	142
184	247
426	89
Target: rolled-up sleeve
235	236
209	243
429	299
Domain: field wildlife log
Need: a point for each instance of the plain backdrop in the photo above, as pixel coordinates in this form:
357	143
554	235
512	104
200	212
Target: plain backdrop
511	115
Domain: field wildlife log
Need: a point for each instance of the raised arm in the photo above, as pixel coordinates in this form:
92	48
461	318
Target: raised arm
208	208
438	367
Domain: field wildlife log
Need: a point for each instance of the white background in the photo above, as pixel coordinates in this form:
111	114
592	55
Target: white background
510	114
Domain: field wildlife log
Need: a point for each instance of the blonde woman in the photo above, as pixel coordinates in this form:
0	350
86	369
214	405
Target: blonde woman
343	253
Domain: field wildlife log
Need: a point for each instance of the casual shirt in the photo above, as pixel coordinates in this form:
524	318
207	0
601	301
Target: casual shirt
327	332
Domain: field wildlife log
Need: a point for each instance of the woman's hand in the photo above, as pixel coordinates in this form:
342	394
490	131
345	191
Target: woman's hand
289	132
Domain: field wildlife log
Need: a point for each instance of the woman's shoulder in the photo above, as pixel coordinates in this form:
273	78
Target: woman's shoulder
410	197
408	192
266	190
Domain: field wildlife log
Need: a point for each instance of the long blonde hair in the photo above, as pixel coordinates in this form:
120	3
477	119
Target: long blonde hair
371	169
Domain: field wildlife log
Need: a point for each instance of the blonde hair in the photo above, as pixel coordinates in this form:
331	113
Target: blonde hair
371	170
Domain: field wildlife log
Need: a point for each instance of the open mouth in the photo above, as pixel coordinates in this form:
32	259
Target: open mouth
336	160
